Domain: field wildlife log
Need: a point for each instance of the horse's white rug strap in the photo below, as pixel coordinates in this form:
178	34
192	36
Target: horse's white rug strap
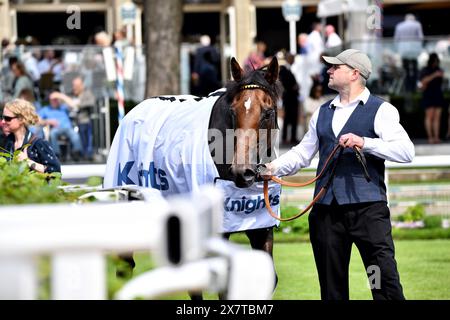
162	143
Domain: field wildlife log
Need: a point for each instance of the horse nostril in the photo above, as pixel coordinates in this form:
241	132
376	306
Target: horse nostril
244	177
249	173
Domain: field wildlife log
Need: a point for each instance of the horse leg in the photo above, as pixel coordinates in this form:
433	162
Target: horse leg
196	296
262	239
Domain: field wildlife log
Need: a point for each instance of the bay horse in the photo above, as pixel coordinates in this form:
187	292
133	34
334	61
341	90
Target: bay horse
177	143
248	105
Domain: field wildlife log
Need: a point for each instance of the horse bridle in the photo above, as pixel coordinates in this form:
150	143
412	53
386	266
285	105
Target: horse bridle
329	165
271	112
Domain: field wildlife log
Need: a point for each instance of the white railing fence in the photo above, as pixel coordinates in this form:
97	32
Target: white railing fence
85	171
182	235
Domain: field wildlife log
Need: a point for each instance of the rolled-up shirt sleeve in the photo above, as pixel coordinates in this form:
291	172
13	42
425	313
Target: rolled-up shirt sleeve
393	142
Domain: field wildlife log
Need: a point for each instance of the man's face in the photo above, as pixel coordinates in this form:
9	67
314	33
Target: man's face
15	70
340	76
329	30
54	102
49	54
77	86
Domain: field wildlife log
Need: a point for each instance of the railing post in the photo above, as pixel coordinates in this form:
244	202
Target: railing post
18	278
78	275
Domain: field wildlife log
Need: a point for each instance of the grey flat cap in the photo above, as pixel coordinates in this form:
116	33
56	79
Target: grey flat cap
353	58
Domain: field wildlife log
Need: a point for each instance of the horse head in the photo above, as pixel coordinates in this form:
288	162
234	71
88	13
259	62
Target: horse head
246	116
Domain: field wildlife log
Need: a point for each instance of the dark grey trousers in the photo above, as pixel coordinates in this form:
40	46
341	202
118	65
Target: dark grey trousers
333	230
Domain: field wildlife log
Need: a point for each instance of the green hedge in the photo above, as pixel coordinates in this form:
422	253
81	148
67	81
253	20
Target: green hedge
422	234
19	185
398	234
298	229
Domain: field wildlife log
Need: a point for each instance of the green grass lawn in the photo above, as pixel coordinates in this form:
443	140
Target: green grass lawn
424	267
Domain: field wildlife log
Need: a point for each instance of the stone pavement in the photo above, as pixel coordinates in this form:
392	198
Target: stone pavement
425	149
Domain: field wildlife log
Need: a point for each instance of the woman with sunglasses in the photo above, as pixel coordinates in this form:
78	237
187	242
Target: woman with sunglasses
17	116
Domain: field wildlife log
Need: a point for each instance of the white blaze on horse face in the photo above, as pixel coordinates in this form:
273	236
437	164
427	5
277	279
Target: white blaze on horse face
247	105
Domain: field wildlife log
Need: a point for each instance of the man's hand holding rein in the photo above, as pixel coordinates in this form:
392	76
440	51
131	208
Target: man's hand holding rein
349	140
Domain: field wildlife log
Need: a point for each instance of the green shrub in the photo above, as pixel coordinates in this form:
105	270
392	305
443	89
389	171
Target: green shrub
414	213
299	225
19	185
94	181
432	222
420	234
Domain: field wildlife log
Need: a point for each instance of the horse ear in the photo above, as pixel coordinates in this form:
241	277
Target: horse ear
272	71
236	70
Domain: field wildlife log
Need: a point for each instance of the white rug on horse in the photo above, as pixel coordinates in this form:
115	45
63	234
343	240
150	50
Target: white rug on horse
162	143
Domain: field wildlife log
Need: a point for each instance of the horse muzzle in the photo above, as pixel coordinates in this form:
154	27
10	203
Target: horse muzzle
243	175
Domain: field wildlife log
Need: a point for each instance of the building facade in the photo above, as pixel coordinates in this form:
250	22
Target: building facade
233	23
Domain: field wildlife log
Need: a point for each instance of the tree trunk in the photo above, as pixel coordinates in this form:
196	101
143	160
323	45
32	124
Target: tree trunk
163	21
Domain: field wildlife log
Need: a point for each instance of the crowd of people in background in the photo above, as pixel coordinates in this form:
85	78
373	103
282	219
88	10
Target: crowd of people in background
63	115
36	76
303	75
409	37
312	79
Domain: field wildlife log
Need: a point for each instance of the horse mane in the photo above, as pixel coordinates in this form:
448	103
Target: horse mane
253	77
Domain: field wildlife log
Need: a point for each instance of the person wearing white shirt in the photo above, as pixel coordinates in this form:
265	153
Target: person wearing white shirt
333	39
45	64
315	47
353	209
408	37
31	65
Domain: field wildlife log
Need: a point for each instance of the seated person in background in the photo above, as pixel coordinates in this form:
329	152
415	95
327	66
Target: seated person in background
314	101
17	116
7	78
22	80
28	95
82	101
56	115
47	61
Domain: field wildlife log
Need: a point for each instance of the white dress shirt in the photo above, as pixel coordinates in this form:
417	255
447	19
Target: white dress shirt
393	143
333	40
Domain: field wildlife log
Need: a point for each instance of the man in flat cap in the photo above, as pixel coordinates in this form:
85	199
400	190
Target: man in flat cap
354	207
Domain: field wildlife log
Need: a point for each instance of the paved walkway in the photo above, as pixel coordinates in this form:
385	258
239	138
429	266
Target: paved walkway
425	149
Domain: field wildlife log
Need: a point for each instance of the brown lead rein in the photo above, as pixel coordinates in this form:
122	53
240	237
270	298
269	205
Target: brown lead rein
274	215
290	184
307	183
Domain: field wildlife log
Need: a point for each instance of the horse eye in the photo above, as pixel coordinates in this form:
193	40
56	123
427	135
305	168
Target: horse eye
268	113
